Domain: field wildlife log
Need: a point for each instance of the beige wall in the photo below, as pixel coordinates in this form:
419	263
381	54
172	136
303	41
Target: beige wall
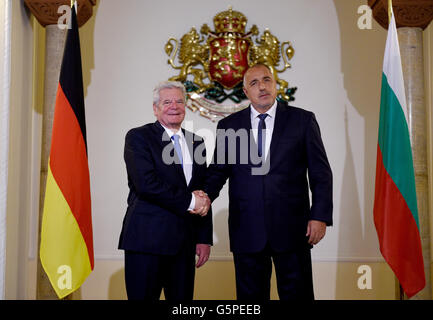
18	201
337	69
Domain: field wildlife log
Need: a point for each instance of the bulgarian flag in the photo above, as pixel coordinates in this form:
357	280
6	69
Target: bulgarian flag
395	204
66	248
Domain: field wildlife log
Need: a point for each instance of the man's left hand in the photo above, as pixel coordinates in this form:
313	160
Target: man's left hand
315	231
203	252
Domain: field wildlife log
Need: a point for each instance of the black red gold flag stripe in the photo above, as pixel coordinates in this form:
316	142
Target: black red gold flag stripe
66	248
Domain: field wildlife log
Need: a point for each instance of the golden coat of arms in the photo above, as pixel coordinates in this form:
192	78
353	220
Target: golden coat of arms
213	63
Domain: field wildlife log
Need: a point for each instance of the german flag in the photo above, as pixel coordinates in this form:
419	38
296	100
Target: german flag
66	248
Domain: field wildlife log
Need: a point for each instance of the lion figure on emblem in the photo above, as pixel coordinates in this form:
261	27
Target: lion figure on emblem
191	53
268	52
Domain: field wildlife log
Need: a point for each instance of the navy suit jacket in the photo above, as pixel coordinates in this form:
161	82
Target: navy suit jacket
272	208
157	220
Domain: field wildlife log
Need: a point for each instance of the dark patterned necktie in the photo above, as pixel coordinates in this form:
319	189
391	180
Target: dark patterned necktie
261	137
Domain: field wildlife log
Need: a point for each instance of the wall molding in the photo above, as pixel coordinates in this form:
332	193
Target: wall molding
5	84
115	257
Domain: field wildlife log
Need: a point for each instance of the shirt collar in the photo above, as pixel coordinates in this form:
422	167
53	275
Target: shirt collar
271	112
171	132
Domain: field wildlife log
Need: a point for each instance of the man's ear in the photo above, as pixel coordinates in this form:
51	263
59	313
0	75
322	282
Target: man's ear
155	108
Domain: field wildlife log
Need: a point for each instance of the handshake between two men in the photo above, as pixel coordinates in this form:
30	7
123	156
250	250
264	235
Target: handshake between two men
202	203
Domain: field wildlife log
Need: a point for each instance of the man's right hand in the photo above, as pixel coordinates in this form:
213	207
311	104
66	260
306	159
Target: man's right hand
202	203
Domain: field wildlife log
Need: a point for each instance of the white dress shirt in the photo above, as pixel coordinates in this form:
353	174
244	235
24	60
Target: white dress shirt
269	122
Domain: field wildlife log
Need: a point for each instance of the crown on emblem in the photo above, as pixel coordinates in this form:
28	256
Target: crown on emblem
230	21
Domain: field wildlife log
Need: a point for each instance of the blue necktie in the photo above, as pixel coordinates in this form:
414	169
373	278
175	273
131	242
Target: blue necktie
260	134
177	147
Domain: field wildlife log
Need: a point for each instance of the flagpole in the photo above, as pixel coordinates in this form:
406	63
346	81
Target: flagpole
70	296
73	2
389	10
399	292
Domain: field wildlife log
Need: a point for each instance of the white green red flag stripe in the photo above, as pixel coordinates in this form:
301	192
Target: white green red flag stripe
395	203
66	248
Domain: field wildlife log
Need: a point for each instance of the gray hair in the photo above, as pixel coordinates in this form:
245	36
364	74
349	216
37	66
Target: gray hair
167	85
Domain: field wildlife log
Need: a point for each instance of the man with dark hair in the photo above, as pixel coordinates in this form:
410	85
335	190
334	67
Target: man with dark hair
270	217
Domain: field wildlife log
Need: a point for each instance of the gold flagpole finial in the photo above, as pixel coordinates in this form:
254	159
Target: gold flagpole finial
73	2
390	12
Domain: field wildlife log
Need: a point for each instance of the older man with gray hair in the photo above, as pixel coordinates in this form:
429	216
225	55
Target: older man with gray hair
167	222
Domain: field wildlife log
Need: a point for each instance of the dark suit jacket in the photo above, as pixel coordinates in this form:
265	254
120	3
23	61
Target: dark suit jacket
157	220
273	208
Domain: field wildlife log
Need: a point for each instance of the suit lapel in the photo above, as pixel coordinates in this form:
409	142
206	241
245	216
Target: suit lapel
161	135
246	118
246	124
164	140
189	138
279	124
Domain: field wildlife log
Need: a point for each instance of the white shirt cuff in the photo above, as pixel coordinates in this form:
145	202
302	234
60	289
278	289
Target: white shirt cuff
192	203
